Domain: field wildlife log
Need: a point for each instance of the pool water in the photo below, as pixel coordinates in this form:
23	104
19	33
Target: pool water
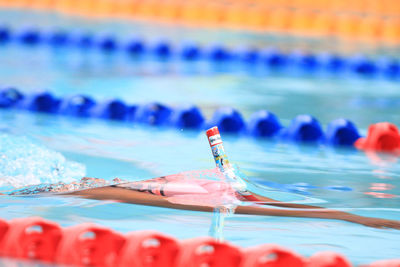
65	148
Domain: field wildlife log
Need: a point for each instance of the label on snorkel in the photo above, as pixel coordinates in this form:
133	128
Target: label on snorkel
215	140
217	149
221	160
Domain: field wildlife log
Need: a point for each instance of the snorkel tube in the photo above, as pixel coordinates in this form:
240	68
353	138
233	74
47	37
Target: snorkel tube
222	162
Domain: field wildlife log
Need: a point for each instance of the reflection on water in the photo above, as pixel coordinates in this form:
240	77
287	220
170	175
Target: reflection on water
381	186
218	222
382	174
384	163
380	195
382	159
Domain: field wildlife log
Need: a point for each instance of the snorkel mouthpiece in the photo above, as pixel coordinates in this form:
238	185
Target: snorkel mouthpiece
222	162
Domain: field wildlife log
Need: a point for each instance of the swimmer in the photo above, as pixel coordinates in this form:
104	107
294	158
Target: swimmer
187	191
195	198
174	192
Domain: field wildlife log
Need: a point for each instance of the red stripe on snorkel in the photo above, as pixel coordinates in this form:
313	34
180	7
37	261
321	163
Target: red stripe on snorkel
212	131
214	138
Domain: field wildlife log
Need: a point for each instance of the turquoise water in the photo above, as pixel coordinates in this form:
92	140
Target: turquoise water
65	149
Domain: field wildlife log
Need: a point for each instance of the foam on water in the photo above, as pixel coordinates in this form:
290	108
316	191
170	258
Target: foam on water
24	162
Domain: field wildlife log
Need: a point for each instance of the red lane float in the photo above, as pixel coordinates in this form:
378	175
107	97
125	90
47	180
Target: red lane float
328	259
206	251
271	256
383	136
3	230
91	245
148	248
31	238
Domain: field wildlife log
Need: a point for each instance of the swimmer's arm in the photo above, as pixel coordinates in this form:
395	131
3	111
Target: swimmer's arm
324	213
272	202
135	197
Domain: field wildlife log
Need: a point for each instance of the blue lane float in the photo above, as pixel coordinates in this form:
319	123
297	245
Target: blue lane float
10	97
303	128
228	120
187	117
162	49
262	124
307	62
5	34
218	53
391	69
153	114
113	109
332	63
135	47
190	51
363	66
58	38
131	112
40	102
341	132
29	36
269	58
108	43
273	58
78	105
84	41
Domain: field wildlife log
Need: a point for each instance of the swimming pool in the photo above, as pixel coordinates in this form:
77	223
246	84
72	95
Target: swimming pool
339	178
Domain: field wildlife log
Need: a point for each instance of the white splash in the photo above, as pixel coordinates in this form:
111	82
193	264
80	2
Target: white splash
23	163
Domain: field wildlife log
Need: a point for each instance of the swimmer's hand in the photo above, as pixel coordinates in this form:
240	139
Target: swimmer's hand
371	222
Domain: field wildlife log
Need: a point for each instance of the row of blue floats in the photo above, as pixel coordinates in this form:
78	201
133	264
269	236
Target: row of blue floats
272	58
262	124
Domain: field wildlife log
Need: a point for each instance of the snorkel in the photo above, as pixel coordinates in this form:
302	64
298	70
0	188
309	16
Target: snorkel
222	162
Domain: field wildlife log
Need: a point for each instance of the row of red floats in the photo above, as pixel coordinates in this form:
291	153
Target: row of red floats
92	245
